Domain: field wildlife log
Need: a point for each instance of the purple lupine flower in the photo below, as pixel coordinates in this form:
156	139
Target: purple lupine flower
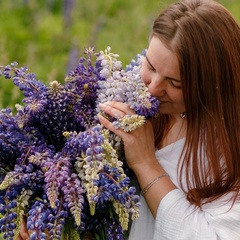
57	162
11	138
57	173
37	220
56	220
73	196
114	230
26	81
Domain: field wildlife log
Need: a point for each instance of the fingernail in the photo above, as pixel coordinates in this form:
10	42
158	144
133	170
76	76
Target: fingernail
103	104
106	103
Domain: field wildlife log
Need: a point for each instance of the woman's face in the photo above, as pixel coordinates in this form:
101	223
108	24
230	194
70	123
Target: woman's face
160	72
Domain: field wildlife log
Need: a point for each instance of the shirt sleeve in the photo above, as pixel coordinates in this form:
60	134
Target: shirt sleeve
177	219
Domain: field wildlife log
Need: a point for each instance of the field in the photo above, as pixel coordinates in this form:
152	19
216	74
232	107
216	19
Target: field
49	36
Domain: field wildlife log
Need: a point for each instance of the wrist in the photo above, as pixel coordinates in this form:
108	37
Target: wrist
147	169
144	190
154	183
146	173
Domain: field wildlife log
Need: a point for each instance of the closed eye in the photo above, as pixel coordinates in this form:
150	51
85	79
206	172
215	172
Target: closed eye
150	66
174	82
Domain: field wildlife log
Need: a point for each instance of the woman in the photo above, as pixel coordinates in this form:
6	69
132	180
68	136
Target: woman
192	66
187	160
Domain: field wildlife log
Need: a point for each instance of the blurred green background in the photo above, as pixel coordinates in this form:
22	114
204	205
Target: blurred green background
49	36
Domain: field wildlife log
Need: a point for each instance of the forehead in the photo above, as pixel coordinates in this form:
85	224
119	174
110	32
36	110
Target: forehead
163	59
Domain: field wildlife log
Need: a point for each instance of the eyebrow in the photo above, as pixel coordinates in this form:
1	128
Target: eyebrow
170	78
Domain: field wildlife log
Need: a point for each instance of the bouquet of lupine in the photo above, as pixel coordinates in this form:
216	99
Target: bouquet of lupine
59	168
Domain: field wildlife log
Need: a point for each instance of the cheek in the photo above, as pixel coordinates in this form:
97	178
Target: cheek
176	97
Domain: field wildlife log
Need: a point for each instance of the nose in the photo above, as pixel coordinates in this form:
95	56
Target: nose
157	87
154	81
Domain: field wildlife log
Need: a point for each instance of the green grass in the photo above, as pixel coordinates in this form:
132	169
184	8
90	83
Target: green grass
35	34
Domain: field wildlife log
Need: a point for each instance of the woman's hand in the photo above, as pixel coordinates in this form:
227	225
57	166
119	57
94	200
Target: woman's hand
139	144
23	234
139	151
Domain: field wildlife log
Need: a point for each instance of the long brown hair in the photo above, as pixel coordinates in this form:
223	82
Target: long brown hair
206	39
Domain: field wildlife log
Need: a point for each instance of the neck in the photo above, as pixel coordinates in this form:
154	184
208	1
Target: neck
177	130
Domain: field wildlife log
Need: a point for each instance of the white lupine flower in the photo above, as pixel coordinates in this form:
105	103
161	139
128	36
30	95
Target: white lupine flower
105	73
117	65
117	75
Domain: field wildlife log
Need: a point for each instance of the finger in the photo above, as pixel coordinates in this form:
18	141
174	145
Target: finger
116	109
23	233
111	110
124	107
110	126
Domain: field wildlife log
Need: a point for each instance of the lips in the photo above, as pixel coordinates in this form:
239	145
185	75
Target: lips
162	101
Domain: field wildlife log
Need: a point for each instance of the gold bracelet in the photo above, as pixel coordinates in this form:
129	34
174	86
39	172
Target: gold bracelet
154	181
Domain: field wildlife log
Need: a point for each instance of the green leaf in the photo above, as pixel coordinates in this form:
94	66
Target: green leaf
69	232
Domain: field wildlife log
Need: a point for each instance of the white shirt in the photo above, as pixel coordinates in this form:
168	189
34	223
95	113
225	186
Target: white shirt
177	219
